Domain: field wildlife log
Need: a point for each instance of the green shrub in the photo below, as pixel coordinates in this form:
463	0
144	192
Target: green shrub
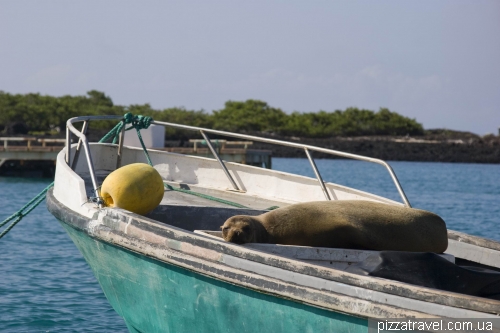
48	114
249	116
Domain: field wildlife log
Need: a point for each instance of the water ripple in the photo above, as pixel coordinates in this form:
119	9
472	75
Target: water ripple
46	285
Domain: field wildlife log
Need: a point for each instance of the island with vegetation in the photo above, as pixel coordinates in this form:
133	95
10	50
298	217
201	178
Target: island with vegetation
381	134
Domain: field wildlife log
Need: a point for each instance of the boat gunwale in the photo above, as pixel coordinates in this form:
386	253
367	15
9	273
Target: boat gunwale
452	234
473	240
166	231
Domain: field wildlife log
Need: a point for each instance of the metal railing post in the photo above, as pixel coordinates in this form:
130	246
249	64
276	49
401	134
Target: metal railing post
68	146
318	176
79	145
86	148
217	157
121	138
398	184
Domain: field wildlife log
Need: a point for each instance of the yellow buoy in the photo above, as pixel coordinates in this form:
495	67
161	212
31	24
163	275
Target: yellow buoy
136	187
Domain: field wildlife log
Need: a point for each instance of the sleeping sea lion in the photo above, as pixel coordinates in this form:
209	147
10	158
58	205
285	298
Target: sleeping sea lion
348	224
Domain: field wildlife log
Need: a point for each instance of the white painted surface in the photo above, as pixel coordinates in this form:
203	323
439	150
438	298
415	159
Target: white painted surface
320	254
205	172
153	137
254	181
474	253
69	188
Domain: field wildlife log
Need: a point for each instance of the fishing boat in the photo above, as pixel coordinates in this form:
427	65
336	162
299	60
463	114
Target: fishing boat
171	271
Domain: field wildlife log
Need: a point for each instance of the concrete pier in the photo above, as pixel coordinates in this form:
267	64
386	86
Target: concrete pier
29	149
35	157
28	156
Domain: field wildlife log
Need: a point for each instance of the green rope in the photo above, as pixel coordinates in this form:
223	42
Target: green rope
18	216
205	196
138	122
113	133
209	197
144	147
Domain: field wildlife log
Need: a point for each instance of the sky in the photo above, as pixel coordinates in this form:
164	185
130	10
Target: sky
435	61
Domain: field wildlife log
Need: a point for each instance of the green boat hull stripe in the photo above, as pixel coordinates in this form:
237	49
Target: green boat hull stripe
153	296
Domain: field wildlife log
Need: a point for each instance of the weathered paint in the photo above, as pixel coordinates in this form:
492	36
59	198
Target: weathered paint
335	290
153	296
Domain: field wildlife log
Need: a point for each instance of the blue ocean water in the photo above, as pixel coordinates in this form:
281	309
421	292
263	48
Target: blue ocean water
46	285
466	196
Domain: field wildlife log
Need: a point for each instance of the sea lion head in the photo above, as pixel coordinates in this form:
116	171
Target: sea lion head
239	229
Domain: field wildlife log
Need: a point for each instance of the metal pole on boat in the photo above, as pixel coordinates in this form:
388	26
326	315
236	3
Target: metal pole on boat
83	137
68	146
318	176
217	157
91	169
79	145
120	146
398	185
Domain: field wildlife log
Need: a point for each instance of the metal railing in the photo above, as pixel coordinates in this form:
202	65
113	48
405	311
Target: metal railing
82	141
203	131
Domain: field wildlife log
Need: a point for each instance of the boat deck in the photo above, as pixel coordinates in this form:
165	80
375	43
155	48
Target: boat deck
203	206
191	195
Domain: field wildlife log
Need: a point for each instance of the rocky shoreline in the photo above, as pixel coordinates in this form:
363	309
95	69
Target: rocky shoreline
458	147
403	149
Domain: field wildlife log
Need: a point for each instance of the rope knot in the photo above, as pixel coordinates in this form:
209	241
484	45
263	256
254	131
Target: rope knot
139	122
128	117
